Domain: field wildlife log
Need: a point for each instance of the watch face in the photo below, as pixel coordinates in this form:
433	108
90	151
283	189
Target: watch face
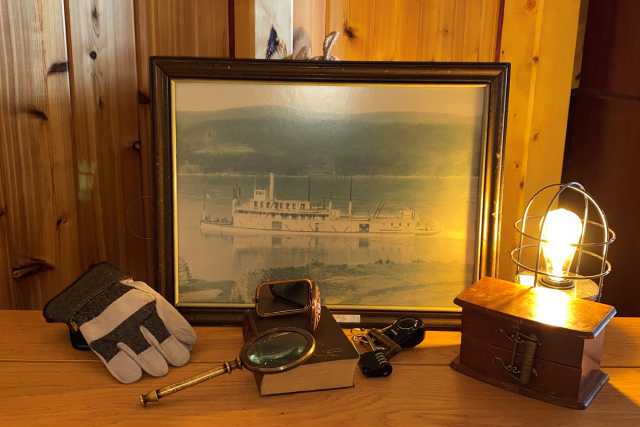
285	297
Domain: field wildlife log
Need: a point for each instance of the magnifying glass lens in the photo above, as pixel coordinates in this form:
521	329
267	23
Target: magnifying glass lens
277	349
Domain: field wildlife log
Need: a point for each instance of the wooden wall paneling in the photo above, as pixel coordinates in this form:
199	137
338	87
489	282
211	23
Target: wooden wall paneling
7	300
416	30
311	15
171	28
178	28
611	61
244	27
181	27
539	40
602	153
104	97
582	30
602	148
39	219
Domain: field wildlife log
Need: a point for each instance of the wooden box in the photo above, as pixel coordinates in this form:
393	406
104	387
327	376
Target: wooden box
534	341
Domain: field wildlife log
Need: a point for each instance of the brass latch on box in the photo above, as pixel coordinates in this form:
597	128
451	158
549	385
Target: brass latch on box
530	343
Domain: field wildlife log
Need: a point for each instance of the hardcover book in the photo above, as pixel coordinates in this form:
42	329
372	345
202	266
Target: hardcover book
332	364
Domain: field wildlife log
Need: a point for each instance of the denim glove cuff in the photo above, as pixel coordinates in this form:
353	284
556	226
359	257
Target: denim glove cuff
98	278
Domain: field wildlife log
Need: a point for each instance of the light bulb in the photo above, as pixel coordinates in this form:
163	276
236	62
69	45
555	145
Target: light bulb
560	235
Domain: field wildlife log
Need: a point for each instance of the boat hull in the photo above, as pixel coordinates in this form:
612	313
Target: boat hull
215	228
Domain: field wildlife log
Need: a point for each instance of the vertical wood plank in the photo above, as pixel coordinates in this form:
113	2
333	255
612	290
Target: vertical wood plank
539	40
611	61
104	95
180	28
171	28
311	15
582	31
61	151
602	153
7	300
244	26
602	148
415	30
38	225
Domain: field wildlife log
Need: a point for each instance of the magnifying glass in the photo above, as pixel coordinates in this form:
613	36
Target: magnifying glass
273	351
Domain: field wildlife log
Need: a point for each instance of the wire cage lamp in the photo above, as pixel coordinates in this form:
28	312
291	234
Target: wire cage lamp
558	248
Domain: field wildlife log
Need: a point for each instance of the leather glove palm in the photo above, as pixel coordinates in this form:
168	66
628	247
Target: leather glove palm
128	325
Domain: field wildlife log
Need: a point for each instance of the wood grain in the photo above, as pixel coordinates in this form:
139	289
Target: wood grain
602	154
43	380
39	247
28	330
104	94
602	138
582	31
311	15
244	27
610	64
171	28
73	393
41	210
417	30
6	285
539	40
179	28
215	344
538	305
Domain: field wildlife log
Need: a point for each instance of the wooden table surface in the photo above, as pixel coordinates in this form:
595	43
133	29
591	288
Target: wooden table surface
43	381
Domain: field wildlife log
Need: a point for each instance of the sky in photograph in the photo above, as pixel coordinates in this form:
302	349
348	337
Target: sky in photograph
463	100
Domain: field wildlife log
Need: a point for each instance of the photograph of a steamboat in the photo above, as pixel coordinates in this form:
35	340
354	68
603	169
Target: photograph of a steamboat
265	213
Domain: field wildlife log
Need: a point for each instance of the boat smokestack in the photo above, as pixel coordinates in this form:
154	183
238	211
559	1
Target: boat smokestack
236	196
203	214
350	196
271	186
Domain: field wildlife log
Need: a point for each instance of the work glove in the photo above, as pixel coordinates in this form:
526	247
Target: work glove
128	325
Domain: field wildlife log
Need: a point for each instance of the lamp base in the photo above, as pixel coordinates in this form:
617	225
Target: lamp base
528	341
557	283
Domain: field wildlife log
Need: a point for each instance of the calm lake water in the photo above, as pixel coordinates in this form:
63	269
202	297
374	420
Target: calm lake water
395	271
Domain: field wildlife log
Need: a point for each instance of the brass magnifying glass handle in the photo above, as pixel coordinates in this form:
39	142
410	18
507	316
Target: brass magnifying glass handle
156	395
272	351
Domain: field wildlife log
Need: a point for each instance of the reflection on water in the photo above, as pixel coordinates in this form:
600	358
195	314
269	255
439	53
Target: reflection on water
350	269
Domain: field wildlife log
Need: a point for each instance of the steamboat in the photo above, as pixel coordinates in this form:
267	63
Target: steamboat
263	212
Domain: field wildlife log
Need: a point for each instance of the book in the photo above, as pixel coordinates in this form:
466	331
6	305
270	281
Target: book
332	365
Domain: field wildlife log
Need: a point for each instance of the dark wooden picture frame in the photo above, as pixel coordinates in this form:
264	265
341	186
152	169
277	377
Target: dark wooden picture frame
164	70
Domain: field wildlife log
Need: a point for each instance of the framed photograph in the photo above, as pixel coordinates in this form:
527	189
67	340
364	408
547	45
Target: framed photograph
379	181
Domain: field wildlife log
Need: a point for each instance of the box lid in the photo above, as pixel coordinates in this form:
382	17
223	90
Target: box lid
537	304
